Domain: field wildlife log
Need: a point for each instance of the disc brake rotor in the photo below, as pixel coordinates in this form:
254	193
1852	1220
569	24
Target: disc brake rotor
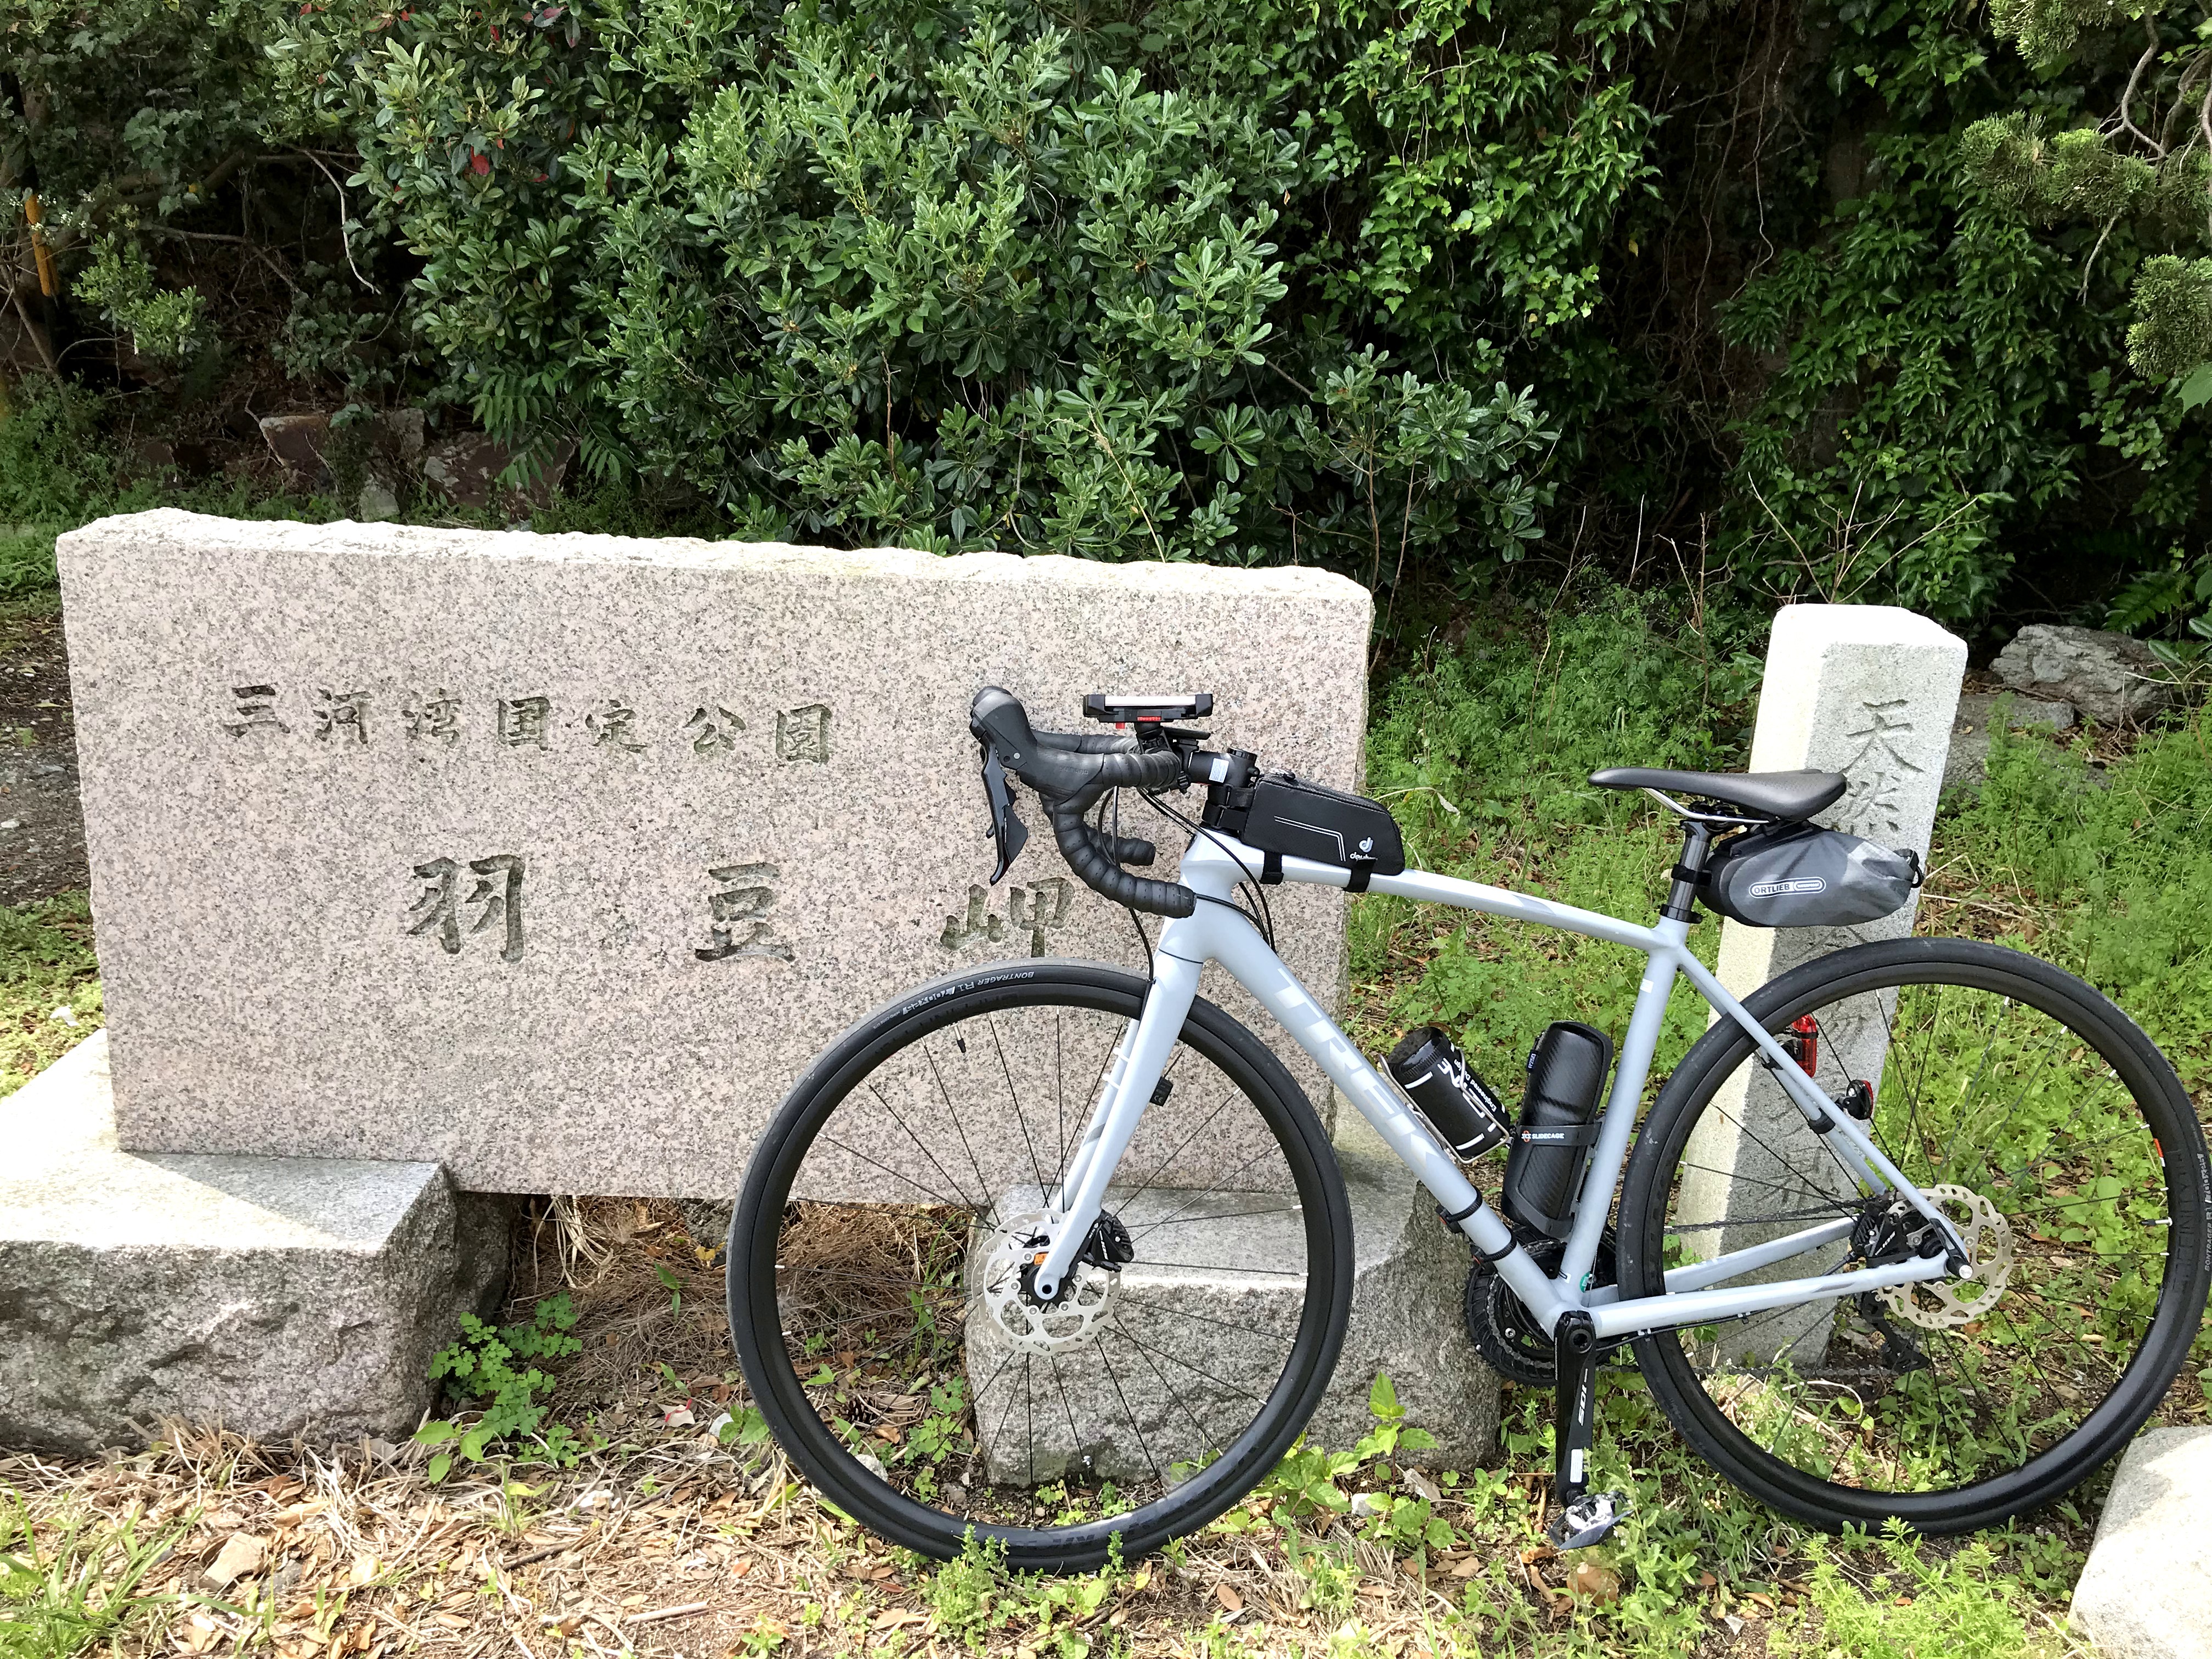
1935	1304
1039	1327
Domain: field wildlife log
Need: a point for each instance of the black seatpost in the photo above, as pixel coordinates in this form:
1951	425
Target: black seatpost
1583	1517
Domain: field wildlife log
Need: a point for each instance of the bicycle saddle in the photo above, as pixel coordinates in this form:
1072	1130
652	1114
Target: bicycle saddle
1779	794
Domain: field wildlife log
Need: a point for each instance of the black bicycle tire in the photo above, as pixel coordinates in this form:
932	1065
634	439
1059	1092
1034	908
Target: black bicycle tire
2107	1429
755	1223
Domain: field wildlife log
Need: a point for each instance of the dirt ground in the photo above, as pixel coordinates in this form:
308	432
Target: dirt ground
663	1542
41	826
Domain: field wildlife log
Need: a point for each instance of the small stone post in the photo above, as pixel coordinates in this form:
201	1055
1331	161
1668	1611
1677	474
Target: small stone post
1869	691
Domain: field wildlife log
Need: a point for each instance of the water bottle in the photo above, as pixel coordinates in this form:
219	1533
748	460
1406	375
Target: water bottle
1458	1105
1566	1070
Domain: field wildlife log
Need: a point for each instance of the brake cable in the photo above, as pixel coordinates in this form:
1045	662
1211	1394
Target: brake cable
1264	921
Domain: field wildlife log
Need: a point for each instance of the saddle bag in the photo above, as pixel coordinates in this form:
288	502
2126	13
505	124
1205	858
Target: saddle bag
1799	875
1281	812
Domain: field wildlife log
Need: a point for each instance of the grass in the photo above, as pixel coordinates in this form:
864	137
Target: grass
76	1582
50	995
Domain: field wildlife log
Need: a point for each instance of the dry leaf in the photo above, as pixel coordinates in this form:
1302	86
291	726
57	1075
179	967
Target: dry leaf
1228	1598
1468	1568
1595	1581
241	1554
198	1634
904	1616
364	1569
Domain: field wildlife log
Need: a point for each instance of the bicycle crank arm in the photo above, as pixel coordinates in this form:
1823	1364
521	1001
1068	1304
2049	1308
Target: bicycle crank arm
1584	1517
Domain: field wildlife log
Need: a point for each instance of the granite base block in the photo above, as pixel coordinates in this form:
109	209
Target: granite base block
1113	1419
2146	1592
274	1296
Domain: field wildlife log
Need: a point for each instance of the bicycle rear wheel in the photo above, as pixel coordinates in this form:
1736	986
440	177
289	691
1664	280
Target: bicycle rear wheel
881	1312
2056	1136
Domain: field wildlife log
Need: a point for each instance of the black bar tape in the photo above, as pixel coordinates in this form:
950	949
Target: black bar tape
1271	869
1070	771
1358	880
1452	1220
1089	858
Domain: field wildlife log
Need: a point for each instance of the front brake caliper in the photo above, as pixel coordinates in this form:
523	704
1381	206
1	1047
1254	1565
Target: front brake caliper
1108	1245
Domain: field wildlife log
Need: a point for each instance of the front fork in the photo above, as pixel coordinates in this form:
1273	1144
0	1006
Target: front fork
1139	1058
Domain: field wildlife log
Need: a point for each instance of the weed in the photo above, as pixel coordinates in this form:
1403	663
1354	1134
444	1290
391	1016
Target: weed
78	1591
481	1366
1909	1606
975	1594
50	995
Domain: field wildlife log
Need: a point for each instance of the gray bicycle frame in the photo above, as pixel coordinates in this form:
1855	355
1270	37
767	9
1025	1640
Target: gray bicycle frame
1695	1294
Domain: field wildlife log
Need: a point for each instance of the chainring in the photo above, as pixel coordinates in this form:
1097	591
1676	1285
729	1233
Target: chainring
1988	1238
1009	1304
1504	1333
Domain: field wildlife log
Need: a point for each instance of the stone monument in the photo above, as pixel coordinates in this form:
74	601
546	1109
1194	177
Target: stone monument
1869	691
554	858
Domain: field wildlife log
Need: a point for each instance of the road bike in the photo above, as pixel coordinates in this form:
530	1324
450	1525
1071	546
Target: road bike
1052	1253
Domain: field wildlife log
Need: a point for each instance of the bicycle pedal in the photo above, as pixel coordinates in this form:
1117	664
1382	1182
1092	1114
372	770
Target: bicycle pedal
1588	1519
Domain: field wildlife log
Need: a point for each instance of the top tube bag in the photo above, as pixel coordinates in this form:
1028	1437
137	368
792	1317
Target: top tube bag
1799	875
1283	814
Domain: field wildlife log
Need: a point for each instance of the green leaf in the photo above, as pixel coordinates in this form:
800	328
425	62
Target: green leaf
1382	1399
434	1431
2196	388
442	1465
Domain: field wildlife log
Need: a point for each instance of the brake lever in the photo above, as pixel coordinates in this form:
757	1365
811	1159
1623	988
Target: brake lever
1007	830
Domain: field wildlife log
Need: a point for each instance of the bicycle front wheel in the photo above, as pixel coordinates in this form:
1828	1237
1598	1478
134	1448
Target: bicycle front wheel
886	1325
2051	1132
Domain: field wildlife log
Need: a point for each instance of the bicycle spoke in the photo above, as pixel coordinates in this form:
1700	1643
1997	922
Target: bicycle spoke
938	1368
1982	1088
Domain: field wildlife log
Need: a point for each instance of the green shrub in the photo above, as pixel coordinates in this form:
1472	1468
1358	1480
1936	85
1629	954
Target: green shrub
1232	283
